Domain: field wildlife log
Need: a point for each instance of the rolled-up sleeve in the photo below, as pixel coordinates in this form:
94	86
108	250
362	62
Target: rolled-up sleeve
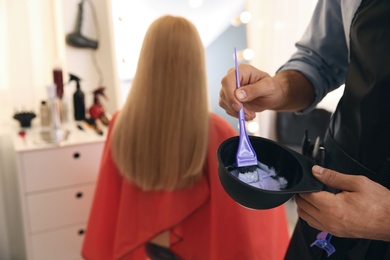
322	52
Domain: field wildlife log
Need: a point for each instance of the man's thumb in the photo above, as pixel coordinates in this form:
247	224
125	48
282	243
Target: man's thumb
241	94
331	178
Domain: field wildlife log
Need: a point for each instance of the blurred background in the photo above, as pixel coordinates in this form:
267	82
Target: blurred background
32	43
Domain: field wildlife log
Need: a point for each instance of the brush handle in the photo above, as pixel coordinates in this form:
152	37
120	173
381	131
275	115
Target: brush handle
245	153
241	116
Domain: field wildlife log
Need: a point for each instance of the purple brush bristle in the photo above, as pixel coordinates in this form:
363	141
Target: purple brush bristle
246	159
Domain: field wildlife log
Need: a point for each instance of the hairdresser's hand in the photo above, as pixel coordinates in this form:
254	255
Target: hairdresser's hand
286	91
259	91
360	210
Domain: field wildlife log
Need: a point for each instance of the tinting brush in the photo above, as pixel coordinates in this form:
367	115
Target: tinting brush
246	159
323	242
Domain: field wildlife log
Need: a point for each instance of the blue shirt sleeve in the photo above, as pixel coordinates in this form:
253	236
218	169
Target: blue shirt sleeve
322	52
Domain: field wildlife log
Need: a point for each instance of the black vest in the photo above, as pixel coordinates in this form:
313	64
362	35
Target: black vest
360	126
361	122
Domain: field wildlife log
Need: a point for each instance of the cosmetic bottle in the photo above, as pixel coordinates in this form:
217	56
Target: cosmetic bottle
55	107
59	91
57	79
44	114
64	111
78	100
56	133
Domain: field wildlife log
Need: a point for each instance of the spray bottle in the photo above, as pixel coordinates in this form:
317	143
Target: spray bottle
97	110
78	99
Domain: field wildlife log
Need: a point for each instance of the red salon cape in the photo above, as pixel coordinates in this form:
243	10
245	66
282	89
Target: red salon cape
204	222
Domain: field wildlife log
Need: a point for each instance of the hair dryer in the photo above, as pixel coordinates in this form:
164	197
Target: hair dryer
76	39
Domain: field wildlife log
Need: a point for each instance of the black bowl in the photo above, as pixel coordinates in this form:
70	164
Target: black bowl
294	167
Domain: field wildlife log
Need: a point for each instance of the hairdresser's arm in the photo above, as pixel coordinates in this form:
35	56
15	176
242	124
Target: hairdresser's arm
288	90
322	52
361	210
321	61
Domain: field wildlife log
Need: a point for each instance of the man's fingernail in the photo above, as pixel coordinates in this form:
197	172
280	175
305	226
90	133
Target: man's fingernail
240	94
318	169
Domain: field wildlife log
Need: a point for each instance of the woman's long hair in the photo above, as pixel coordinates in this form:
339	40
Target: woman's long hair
160	137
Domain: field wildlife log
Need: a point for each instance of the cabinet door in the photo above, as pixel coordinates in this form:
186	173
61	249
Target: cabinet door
60	167
61	244
60	208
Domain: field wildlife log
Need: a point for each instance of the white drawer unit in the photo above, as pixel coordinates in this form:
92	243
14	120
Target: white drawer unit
63	167
60	208
54	185
58	244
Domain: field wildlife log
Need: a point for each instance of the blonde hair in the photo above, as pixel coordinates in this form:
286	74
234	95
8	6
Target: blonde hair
160	137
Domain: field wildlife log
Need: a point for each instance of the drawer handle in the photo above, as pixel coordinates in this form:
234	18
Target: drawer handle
81	232
76	155
79	195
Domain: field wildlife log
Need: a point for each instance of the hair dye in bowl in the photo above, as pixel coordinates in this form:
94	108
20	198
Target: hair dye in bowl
267	178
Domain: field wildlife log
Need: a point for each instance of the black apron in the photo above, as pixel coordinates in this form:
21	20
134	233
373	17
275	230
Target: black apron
358	139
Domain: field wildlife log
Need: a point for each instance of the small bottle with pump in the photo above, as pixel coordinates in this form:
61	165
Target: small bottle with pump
78	99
